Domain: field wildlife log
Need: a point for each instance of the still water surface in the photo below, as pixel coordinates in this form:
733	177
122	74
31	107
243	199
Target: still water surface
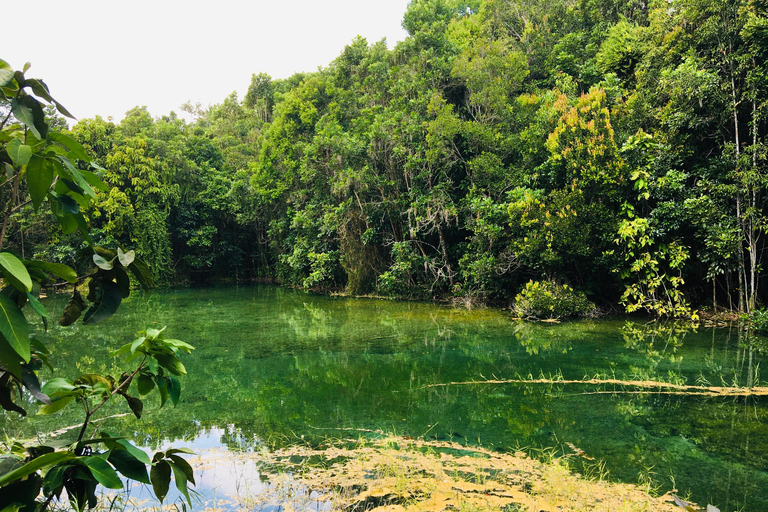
275	366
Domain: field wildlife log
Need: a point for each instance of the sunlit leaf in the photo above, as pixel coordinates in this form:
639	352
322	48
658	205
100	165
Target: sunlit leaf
58	269
24	114
6	73
58	387
14	327
19	152
102	262
56	405
171	363
15	271
37	306
34	465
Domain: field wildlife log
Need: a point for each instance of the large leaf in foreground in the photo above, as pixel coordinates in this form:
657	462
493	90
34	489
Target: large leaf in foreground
15	271
14	327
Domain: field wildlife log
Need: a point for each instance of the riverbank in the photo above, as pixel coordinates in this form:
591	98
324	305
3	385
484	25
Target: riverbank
398	473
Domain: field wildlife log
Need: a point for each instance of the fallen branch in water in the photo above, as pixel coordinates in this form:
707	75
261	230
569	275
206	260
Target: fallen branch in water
661	387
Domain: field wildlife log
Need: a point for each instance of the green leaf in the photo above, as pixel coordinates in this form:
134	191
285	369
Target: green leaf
68	205
94	181
107	302
76	150
178	344
171	363
64	186
31	382
160	475
103	472
6	400
102	262
125	258
179	450
136	405
54	479
174	390
58	269
145	384
95	380
154	333
136	452
142	273
34	465
24	114
15	271
141	341
67	222
33	115
37	306
181	480
19	152
40	174
162	388
6	74
125	349
14	328
41	89
79	179
73	310
123	281
58	387
9	357
182	464
83	227
129	466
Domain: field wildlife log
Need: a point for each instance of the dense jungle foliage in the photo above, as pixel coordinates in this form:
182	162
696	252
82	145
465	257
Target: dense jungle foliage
613	147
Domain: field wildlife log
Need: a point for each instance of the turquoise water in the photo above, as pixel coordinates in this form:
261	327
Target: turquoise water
275	366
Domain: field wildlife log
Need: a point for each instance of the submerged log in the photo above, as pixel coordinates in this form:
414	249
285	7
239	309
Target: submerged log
647	386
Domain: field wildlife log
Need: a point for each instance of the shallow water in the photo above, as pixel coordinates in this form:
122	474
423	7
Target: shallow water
275	366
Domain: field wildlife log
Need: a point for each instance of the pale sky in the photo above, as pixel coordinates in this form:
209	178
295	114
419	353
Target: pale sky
103	57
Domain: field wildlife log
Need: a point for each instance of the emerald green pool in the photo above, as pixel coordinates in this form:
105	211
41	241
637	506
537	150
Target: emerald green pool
275	366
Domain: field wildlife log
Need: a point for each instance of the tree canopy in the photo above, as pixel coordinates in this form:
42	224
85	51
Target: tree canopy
614	147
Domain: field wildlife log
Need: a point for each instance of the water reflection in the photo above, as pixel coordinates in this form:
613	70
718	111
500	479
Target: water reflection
275	366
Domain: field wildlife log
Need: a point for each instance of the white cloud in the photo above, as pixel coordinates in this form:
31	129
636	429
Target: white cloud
103	57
